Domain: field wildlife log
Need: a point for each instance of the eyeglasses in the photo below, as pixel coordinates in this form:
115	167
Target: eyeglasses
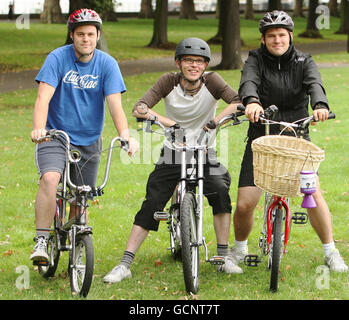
191	61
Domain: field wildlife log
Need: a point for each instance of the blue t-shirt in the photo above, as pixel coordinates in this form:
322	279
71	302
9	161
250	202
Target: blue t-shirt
77	105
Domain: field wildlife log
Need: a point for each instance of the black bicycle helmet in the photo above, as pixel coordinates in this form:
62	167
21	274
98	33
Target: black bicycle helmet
276	19
83	17
193	46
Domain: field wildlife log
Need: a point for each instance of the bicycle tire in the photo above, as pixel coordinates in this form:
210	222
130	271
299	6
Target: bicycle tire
276	250
190	249
48	271
81	270
52	246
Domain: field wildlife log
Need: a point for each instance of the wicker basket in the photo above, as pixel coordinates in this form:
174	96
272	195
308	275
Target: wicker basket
278	161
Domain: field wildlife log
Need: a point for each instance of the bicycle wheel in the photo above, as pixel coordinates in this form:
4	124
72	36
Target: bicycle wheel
81	268
276	250
48	269
190	249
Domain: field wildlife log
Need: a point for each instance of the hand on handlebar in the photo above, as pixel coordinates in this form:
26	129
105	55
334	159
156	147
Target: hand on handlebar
320	115
211	125
253	111
39	135
133	146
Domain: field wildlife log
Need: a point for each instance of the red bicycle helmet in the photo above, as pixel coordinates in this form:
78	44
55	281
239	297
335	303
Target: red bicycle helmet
84	16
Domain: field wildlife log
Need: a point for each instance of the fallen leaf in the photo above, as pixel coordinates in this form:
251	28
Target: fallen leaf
8	253
158	262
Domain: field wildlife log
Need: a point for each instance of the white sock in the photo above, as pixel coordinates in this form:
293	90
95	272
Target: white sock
328	247
241	245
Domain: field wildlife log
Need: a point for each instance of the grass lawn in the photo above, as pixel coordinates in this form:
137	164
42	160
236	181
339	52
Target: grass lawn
155	275
25	49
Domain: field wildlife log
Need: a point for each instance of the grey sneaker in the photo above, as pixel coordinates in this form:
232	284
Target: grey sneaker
119	273
40	250
229	266
335	262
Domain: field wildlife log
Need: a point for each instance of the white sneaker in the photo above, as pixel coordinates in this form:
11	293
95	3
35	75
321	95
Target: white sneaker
335	262
229	266
232	260
40	250
119	273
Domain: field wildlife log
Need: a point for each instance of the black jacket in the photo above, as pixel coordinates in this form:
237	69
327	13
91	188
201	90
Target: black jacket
287	81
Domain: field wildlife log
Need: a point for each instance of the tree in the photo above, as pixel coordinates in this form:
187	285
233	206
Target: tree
217	39
52	12
311	31
159	39
146	10
344	17
298	8
249	10
333	6
231	41
274	5
187	10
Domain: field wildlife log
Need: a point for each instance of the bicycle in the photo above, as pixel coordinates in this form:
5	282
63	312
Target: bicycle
185	215
74	234
275	235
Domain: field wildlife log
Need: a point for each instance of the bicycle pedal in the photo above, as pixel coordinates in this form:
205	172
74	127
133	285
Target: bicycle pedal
300	218
42	263
217	260
161	216
252	260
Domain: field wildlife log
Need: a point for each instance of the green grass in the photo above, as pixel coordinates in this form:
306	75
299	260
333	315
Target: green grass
155	275
25	49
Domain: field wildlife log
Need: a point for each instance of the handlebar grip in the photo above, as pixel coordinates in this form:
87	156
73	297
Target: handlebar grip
241	108
331	115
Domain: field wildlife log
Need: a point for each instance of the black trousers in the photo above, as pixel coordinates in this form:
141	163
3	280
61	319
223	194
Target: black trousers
163	180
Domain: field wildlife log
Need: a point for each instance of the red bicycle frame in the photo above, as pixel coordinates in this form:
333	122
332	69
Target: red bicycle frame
279	203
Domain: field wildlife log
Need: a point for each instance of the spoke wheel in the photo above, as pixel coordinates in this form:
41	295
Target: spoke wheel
190	249
81	268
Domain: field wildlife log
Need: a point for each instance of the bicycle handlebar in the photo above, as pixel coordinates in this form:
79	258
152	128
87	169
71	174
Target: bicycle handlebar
300	124
73	156
173	130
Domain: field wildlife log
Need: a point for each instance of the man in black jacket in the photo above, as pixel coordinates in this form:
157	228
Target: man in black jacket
277	73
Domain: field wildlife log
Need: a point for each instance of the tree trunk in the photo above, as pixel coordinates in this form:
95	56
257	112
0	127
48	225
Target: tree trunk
311	31
298	8
231	44
344	16
187	10
333	6
52	12
146	10
217	39
159	39
274	5
249	10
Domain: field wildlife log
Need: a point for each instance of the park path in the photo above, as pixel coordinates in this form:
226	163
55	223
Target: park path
10	81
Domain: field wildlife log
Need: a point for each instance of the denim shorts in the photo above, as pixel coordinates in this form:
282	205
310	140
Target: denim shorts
50	157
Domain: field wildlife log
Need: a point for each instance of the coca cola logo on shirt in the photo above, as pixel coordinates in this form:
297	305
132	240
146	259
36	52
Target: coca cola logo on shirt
87	81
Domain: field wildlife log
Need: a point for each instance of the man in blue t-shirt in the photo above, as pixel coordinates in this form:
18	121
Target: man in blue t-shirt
74	82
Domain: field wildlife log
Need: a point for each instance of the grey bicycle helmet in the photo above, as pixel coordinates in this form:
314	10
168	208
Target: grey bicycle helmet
276	19
84	16
193	46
